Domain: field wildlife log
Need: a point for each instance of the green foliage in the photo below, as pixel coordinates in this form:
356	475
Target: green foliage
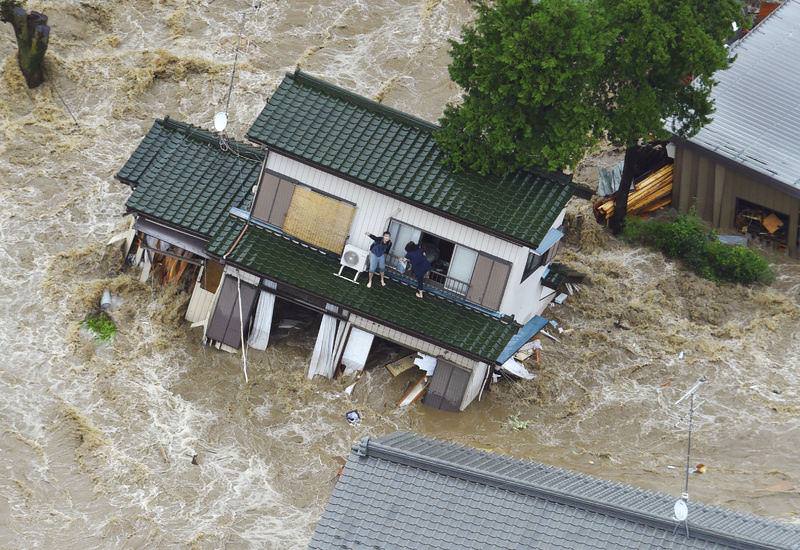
687	238
101	325
544	80
527	68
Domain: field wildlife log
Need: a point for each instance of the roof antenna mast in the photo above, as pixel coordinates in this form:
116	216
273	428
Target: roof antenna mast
681	508
221	118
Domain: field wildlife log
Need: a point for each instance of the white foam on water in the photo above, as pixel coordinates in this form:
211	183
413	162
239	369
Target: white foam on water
98	439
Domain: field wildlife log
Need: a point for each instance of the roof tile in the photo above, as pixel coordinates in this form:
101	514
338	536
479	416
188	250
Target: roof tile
181	176
396	153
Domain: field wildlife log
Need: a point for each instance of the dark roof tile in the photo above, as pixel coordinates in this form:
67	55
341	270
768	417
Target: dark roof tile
435	320
396	153
181	176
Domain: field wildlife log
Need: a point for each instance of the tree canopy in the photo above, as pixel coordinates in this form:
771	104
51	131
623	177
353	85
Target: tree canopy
543	81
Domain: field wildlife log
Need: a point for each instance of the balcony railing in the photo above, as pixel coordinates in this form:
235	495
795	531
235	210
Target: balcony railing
443	284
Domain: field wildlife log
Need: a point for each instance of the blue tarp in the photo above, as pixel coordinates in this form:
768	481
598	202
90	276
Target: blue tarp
552	237
524	334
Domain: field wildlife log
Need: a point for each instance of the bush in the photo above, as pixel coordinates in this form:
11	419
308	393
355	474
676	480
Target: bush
687	238
101	325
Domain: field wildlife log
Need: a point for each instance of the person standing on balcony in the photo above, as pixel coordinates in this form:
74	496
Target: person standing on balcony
377	255
419	264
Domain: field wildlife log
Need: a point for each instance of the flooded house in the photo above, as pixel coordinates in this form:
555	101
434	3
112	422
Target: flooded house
741	172
289	219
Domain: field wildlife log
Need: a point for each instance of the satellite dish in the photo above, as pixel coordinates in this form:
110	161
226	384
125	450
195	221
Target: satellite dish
680	510
220	121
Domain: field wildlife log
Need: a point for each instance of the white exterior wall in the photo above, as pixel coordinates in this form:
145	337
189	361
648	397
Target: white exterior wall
374	210
522	299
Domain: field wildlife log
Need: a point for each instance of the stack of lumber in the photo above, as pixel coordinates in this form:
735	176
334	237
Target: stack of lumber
652	193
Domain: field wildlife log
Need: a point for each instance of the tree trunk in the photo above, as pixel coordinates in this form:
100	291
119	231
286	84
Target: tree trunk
638	159
32	34
629	171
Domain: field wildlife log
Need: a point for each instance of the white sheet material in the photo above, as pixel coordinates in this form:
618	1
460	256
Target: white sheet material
477	379
262	322
146	265
323	358
517	369
357	350
426	363
200	303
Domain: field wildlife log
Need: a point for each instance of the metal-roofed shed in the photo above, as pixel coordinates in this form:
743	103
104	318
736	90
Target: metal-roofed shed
750	151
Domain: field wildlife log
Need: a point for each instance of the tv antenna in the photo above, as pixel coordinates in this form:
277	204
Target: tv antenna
221	118
681	507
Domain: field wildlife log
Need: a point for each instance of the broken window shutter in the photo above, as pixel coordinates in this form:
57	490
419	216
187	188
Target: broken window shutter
266	196
224	324
480	278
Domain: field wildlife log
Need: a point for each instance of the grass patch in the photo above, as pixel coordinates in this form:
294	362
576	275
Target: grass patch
688	239
101	325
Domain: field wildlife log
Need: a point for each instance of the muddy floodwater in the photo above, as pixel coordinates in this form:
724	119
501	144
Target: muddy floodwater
98	439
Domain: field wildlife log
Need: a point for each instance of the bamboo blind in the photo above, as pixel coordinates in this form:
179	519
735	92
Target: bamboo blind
319	220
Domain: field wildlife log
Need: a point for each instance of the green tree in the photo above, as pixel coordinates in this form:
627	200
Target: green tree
543	81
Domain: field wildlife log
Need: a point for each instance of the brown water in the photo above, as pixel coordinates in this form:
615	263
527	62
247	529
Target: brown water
98	439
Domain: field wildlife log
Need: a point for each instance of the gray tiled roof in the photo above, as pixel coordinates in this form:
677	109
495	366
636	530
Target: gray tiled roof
757	100
405	491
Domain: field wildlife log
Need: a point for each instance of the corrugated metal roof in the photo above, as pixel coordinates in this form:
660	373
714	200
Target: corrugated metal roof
395	153
405	491
757	100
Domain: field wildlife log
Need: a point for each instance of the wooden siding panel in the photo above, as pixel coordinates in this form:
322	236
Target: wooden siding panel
685	196
719	186
677	169
702	187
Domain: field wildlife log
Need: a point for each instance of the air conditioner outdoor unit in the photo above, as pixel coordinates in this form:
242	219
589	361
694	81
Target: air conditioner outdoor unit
355	258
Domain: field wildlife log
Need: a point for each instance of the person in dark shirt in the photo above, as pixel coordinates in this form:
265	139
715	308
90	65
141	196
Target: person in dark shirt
419	264
377	255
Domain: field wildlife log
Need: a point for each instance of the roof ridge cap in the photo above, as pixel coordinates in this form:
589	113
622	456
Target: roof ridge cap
378	449
362	101
760	24
207	136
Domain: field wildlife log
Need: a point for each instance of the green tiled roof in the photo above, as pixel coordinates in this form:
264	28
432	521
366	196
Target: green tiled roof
377	146
181	176
436	320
